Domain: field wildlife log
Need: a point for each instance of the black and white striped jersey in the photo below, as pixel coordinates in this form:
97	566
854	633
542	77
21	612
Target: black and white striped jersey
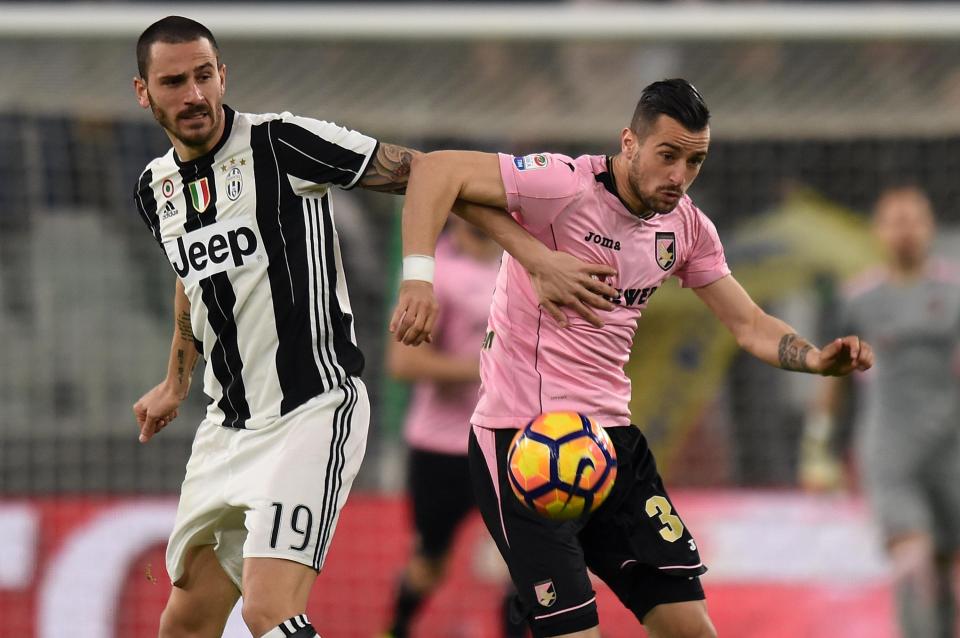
249	230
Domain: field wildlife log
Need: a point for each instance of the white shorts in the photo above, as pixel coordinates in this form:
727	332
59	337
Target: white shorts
275	492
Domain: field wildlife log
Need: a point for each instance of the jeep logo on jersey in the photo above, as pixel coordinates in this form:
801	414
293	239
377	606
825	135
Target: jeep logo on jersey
234	183
199	194
212	249
666	250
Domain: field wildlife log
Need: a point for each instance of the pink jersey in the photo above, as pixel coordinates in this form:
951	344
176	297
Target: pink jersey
439	415
530	365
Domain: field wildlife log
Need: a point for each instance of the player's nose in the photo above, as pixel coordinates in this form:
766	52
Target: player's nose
193	94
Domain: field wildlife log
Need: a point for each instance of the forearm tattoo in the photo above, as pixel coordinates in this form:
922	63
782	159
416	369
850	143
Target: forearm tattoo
181	366
389	169
793	352
184	326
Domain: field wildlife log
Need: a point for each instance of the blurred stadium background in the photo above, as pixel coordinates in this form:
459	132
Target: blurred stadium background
815	106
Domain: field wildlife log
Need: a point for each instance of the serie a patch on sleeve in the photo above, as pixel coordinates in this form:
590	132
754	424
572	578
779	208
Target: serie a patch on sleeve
531	162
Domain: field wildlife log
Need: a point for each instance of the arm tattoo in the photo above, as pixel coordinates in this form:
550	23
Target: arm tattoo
184	326
793	352
388	170
181	366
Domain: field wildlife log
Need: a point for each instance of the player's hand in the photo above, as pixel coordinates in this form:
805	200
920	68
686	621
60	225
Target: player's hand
416	312
843	356
564	280
155	410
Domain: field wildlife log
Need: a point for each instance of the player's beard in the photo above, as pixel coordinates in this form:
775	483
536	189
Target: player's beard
197	139
653	203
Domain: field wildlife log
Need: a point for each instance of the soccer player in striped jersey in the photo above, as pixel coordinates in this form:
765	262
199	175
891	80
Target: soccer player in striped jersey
241	205
631	211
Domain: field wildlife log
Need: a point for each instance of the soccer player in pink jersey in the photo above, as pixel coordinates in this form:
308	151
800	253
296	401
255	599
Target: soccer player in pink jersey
446	377
629	211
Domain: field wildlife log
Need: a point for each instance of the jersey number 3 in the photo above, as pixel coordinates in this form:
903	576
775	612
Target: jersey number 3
301	522
672	525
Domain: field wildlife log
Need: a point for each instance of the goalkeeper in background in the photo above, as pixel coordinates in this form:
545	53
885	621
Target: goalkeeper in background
907	439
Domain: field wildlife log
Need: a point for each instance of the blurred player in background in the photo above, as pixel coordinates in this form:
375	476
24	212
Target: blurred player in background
630	211
242	207
908	426
446	377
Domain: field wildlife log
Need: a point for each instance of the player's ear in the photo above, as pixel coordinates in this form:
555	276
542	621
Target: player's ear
140	88
628	142
223	78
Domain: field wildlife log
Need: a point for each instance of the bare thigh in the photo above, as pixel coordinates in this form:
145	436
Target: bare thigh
274	590
680	620
201	601
593	632
912	555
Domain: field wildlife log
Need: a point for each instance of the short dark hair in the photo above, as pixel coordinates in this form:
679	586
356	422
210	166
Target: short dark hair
674	98
172	30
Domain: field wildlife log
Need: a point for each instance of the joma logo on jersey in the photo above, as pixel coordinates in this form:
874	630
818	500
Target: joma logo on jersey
213	249
603	242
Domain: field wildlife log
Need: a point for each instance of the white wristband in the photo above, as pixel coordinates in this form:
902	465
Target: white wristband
419	267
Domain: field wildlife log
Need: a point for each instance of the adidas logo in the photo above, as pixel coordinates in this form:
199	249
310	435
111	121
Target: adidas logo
169	210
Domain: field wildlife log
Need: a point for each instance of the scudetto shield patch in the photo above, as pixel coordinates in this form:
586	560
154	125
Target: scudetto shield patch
199	194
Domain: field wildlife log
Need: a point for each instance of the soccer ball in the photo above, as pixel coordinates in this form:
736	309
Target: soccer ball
562	465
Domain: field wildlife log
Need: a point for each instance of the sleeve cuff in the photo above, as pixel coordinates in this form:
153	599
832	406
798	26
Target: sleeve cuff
363	167
703	278
509	183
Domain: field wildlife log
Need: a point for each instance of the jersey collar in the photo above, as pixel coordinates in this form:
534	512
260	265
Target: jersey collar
606	178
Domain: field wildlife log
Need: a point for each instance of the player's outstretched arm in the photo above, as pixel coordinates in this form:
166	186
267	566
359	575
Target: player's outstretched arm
158	407
774	341
437	180
470	184
559	278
